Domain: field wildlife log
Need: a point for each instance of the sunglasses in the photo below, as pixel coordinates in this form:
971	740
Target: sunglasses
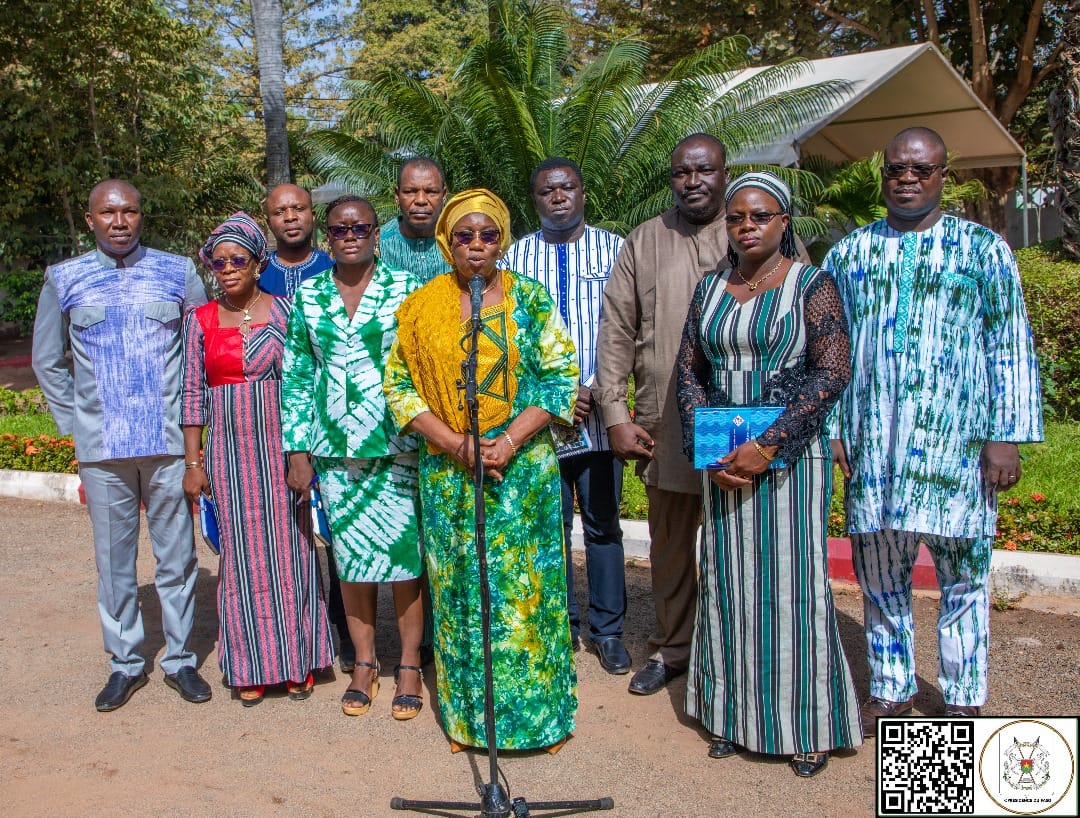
489	235
923	171
340	231
218	265
762	217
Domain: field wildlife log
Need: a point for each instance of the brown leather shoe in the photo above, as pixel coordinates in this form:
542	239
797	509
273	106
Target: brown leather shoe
876	708
965	710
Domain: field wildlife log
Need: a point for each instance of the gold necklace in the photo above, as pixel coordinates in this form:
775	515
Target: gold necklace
245	322
753	285
486	289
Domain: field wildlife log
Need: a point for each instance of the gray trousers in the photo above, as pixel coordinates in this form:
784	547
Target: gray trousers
114	489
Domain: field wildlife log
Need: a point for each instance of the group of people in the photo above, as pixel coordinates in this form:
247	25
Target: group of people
906	358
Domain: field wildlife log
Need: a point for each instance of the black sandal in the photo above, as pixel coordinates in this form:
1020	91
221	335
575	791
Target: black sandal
722	748
412	703
357	702
807	765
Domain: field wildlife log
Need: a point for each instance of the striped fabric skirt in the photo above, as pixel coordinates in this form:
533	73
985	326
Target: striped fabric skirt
271	614
767	670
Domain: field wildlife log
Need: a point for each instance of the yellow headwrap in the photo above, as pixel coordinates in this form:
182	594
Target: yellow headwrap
476	200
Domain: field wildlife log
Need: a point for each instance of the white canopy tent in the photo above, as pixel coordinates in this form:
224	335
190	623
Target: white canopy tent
890	90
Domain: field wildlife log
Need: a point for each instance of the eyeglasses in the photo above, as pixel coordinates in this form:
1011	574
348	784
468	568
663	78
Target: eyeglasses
922	170
489	235
218	265
762	217
340	231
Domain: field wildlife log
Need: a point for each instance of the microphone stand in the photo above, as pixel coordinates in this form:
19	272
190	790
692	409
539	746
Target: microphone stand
494	797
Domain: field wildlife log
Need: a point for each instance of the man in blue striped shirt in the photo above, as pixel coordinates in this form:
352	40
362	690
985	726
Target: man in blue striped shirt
572	260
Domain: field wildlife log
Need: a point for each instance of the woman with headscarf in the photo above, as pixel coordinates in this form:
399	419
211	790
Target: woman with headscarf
271	615
767	671
337	426
527	376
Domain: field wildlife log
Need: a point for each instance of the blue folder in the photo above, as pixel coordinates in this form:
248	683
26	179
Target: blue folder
208	523
320	526
720	430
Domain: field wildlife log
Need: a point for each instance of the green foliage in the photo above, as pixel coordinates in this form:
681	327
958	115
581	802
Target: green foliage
19	290
93	89
634	504
1052	294
517	98
28	402
420	39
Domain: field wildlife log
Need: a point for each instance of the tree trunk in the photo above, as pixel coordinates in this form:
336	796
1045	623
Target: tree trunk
999	183
266	17
1064	109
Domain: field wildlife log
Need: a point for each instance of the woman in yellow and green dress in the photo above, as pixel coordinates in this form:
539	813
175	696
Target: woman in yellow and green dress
527	375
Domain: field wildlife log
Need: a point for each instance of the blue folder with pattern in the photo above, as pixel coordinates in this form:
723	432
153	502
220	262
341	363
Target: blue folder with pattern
720	430
208	523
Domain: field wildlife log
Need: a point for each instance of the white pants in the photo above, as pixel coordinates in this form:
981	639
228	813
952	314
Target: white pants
883	562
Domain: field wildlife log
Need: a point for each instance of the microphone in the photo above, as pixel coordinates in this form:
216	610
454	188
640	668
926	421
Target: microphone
476	296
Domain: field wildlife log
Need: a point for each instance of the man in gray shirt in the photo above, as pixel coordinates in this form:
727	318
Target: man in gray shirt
119	310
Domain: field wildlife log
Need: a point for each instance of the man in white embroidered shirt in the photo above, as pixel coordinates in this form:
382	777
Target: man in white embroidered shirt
572	260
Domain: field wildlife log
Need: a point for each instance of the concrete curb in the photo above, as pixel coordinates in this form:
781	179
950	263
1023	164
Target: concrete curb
1012	574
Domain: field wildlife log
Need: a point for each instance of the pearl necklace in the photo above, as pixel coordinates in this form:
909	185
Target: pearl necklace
245	322
752	285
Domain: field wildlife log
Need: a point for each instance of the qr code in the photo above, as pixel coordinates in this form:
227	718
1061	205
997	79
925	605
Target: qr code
926	767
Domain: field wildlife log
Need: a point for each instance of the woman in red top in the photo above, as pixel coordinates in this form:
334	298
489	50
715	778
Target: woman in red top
271	615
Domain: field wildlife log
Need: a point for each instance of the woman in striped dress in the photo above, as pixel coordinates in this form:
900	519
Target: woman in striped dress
767	671
271	615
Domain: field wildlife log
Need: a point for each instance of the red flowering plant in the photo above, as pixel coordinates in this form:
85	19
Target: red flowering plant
41	453
1032	522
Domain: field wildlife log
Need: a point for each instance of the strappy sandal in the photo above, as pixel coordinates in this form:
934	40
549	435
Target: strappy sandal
720	747
251	696
807	765
357	702
411	704
298	691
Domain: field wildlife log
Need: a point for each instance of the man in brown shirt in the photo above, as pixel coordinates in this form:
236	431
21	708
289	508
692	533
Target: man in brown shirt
645	305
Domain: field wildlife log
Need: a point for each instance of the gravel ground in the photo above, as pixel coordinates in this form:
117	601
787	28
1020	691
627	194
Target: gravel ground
159	755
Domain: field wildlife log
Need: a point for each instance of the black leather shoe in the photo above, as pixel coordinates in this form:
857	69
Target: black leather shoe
807	765
613	656
965	710
652	678
118	690
876	708
189	684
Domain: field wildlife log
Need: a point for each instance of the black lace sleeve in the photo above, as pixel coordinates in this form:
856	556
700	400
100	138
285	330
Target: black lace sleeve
813	389
692	371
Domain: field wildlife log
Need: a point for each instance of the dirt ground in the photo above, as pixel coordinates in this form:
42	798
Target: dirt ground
159	755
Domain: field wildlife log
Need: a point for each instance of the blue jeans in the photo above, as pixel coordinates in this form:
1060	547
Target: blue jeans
596	478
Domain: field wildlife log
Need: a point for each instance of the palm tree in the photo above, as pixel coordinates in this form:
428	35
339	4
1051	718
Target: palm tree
516	100
1065	120
266	17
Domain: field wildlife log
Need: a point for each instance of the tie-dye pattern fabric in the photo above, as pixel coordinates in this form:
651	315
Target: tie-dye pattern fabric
883	562
942	361
333	406
535	681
